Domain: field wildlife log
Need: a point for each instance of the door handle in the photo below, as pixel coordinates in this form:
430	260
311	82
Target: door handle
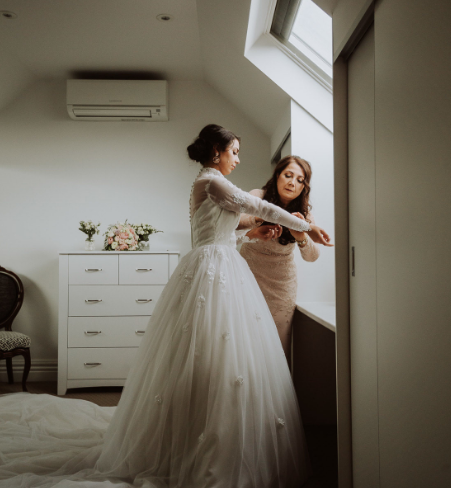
143	300
352	261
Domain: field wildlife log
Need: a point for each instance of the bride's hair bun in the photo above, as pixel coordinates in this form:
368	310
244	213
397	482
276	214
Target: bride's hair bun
199	150
210	137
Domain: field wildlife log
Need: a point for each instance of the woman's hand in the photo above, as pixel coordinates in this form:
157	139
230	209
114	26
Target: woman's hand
319	236
265	232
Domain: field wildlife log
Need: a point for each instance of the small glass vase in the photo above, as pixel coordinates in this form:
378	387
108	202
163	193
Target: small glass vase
143	245
90	245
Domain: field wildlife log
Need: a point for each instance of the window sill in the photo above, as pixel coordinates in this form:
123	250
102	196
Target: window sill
321	312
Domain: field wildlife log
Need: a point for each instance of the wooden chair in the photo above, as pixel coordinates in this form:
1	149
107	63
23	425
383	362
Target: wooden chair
12	343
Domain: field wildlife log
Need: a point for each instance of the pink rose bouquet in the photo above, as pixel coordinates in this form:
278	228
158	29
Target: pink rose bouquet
121	237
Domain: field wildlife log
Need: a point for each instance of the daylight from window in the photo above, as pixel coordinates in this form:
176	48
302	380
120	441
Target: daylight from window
312	35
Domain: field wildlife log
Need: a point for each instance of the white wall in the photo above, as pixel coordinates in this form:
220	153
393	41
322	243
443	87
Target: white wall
14	77
312	141
55	172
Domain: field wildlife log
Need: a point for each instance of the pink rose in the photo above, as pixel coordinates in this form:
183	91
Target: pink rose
132	231
123	246
123	235
110	240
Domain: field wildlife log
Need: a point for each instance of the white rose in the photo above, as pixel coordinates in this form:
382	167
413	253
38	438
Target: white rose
110	234
129	241
114	245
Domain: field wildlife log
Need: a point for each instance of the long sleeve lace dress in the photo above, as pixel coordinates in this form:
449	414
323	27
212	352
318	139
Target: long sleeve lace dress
275	271
209	401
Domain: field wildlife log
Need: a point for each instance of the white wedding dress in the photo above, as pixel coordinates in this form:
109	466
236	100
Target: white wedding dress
209	401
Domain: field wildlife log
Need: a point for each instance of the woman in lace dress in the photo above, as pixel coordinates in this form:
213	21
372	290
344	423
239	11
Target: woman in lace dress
269	251
209	401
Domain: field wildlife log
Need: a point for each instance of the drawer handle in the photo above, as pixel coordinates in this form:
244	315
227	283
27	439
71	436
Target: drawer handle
143	300
143	269
140	331
93	269
93	332
93	301
93	364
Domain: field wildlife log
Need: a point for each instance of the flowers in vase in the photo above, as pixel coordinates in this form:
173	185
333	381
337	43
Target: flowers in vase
121	237
143	231
89	228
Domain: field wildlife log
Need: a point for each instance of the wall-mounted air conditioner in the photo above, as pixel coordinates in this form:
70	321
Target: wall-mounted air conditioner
119	100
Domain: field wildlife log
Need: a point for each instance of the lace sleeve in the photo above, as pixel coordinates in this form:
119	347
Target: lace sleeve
229	197
310	252
247	222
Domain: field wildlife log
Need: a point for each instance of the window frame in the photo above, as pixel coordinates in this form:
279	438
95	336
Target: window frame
281	21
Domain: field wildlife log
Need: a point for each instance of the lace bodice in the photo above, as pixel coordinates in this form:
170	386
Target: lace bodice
216	205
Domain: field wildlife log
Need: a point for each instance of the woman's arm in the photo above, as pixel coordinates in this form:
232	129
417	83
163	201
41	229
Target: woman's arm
229	197
309	250
248	222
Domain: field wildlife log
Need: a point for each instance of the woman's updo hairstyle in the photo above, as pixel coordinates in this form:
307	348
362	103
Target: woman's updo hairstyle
210	137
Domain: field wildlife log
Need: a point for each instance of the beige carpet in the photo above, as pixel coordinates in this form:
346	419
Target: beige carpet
107	396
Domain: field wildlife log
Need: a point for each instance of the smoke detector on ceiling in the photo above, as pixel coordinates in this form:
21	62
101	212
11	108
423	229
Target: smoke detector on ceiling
164	17
7	14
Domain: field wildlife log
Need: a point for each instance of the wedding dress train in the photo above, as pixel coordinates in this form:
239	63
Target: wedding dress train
209	401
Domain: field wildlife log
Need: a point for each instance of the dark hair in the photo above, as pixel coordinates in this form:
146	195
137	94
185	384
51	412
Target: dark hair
212	136
299	204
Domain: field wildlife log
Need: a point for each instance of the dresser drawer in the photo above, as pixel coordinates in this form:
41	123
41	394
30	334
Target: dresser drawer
99	363
93	270
143	269
106	331
97	300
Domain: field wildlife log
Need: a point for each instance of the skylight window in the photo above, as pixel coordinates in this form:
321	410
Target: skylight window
306	31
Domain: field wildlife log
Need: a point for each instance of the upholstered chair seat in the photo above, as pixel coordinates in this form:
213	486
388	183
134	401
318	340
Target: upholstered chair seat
12	343
12	340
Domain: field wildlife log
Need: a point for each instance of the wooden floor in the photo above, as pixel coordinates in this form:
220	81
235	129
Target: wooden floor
321	440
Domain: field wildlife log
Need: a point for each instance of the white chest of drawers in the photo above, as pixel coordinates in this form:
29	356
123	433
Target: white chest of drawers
105	302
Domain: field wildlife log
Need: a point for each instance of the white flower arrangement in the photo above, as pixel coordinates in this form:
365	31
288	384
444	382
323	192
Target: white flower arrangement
144	231
121	237
89	228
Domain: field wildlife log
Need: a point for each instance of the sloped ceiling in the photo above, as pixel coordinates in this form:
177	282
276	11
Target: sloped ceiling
123	39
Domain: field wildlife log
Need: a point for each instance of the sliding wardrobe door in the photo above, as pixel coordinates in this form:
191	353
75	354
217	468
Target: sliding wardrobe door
362	258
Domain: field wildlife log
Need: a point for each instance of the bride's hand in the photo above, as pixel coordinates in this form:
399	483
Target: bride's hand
319	236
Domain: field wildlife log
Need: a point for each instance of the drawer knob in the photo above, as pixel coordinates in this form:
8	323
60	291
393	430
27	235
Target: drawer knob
93	332
143	300
93	301
93	364
93	269
143	269
140	332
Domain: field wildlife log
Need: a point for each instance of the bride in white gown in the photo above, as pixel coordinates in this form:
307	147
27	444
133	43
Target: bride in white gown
209	401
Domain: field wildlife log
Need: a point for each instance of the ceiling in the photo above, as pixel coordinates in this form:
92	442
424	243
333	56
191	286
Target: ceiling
123	39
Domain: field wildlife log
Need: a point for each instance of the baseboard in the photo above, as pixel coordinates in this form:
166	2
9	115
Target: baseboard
41	370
